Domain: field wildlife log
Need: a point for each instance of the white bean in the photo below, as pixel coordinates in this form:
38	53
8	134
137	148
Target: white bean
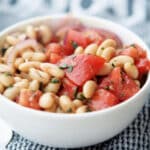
52	70
12	40
66	104
77	103
27	65
17	79
45	33
24	83
18	61
108	53
6	79
34	85
78	50
131	70
6	68
11	92
105	70
91	49
1	88
81	109
52	87
47	100
30	31
89	88
137	83
27	55
121	60
39	75
38	56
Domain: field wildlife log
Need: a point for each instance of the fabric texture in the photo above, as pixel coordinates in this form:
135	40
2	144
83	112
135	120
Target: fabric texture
134	14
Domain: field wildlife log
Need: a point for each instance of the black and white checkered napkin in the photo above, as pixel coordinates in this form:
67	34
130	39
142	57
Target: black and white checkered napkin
135	137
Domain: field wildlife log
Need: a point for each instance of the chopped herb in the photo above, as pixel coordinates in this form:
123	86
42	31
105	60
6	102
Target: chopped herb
122	94
70	68
69	110
3	51
107	88
133	45
75	92
74	44
63	66
7	74
113	65
102	48
88	109
54	80
80	96
10	86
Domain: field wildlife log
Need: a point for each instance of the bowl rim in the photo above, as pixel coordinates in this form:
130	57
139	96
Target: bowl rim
82	115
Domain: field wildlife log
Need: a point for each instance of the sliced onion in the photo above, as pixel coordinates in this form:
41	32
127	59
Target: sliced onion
19	48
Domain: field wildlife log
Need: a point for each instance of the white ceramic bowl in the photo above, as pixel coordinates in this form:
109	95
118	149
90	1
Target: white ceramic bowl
69	130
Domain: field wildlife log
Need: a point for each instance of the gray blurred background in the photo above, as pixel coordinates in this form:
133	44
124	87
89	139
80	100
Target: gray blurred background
134	14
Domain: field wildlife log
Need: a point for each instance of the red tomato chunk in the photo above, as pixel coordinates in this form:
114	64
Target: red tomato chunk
84	67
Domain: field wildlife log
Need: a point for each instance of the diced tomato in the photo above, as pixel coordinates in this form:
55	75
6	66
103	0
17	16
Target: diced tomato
75	38
143	65
119	84
54	58
29	98
93	36
34	99
83	67
105	34
53	48
68	88
130	51
54	52
103	99
141	51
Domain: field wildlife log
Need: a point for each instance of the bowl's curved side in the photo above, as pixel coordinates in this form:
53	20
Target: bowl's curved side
62	130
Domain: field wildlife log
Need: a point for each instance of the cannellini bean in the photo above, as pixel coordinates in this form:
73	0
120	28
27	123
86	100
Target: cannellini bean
6	68
108	53
34	85
78	50
121	60
7	53
52	109
39	75
89	88
1	88
47	100
91	49
131	70
38	56
59	110
45	33
137	83
18	61
17	79
66	104
107	43
77	103
52	70
24	83
11	92
105	70
11	40
30	32
6	79
52	87
27	55
27	65
81	109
